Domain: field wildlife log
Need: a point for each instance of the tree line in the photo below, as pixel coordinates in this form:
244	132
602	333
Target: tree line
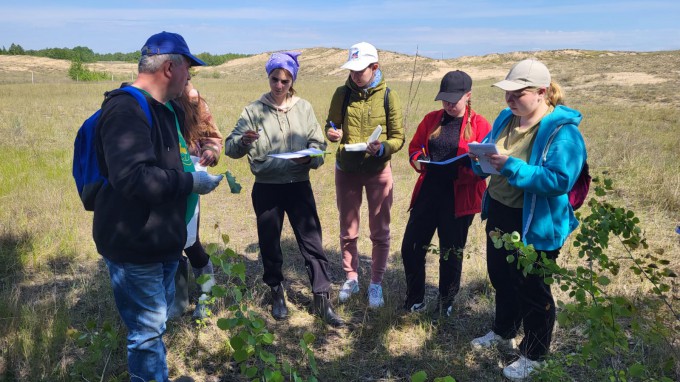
85	54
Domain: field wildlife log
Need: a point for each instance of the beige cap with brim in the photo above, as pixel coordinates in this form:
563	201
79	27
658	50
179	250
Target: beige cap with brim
526	74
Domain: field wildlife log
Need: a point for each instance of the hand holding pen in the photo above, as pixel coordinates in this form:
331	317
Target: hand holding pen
249	137
334	134
424	157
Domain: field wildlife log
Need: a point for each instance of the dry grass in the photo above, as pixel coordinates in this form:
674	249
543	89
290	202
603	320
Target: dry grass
51	277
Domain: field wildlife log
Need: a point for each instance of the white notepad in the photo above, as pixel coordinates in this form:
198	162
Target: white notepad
362	146
481	149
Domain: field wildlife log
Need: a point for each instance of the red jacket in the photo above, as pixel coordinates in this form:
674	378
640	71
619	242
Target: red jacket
468	188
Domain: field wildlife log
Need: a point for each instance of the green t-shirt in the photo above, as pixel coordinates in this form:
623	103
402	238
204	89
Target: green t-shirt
517	142
192	199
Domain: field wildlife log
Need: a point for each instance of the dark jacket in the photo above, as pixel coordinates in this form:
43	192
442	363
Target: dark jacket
139	215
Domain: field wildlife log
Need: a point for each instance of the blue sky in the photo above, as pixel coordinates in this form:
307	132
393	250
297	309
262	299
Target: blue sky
438	29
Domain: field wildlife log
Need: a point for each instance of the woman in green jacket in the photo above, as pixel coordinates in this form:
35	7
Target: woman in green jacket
357	109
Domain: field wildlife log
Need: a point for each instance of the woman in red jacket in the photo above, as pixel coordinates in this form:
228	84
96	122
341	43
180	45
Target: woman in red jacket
446	196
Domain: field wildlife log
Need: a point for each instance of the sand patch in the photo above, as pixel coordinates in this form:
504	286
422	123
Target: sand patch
619	79
30	63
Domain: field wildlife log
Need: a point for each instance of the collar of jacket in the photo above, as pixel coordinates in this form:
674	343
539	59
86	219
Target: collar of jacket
365	93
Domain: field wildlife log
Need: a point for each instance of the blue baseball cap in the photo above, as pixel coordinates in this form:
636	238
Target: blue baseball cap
169	43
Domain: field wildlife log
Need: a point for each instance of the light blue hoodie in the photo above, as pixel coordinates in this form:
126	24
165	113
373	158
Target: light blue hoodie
557	158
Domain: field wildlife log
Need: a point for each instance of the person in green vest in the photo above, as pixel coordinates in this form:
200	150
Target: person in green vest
356	110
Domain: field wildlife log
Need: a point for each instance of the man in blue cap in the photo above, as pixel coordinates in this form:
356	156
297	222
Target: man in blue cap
141	214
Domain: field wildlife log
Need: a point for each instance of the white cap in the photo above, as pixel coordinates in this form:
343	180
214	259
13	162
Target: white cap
360	56
525	74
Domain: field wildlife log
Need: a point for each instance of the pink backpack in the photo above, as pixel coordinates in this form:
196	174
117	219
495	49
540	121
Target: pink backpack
578	193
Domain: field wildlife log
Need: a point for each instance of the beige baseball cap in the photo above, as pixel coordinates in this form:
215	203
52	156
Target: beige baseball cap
525	74
360	56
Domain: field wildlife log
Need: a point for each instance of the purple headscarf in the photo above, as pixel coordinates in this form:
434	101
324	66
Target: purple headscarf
283	60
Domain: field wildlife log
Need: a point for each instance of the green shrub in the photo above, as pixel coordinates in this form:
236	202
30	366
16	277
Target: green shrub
78	72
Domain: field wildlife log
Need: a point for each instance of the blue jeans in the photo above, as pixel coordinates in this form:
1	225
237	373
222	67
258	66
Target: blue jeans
143	293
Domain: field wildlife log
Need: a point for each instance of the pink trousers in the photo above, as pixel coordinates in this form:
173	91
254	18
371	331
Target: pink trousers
349	190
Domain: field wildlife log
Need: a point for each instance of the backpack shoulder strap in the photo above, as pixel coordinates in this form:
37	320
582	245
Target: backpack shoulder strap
141	99
345	104
386	102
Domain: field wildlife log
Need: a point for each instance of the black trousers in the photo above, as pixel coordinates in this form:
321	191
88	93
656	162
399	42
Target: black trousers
434	210
520	300
296	200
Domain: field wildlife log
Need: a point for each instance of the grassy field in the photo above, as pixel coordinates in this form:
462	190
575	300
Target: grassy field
52	279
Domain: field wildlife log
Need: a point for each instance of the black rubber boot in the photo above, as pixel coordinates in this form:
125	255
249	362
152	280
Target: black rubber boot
324	309
279	308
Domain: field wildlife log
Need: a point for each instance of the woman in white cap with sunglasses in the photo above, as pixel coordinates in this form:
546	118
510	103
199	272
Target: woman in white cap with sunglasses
446	196
357	108
540	156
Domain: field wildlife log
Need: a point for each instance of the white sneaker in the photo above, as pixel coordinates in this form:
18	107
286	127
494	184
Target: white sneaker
418	307
375	296
490	339
349	288
521	369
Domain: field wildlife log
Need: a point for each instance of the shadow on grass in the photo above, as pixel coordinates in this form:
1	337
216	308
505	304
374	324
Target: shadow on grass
42	295
386	344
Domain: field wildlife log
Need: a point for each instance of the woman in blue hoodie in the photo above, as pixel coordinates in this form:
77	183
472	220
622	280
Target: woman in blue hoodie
540	156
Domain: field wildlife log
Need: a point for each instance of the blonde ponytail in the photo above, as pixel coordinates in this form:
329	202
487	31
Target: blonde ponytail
555	95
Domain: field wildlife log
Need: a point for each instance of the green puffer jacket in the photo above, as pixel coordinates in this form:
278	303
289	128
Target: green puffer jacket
365	111
280	131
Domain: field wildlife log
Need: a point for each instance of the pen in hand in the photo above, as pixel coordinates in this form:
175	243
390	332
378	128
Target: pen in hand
333	125
425	157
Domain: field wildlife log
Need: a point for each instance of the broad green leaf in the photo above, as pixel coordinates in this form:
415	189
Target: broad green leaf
237	343
275	377
212	248
267	357
267	338
218	290
420	376
636	370
240	355
251	372
309	338
223	324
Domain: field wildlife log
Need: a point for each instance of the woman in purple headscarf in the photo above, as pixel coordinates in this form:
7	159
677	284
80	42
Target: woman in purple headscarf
281	122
